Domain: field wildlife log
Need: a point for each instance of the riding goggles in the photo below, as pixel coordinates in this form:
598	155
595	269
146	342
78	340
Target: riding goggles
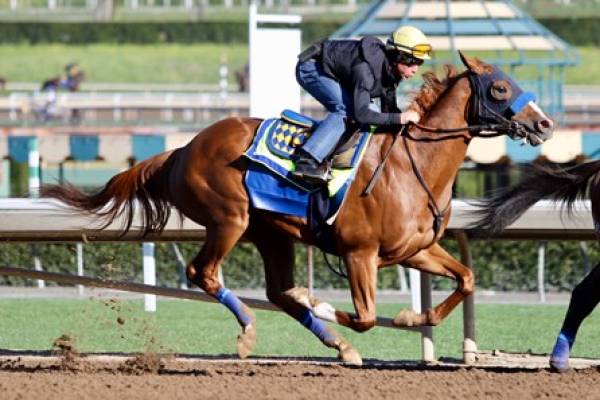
407	59
420	51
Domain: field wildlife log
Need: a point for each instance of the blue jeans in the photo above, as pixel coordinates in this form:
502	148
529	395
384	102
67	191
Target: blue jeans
328	92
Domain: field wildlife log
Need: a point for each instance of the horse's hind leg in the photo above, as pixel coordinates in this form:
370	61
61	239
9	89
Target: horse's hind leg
584	299
203	271
277	251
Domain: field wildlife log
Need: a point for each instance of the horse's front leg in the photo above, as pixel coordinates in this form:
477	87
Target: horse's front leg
435	260
362	276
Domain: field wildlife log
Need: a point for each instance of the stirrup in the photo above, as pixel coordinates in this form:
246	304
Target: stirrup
307	168
319	175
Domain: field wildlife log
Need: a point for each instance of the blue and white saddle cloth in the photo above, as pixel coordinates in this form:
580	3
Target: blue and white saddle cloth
269	180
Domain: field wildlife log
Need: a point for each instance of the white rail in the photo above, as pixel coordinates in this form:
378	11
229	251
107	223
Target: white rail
45	220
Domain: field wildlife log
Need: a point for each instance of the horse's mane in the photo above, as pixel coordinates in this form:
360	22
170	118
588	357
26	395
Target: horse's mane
432	89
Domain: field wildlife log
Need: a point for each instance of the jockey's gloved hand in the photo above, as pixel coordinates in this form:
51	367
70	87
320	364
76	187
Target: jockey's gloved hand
409	116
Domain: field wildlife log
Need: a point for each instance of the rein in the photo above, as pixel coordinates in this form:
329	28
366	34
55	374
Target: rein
489	130
377	172
438	216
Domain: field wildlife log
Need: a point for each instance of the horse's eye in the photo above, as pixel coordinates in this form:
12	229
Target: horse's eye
501	90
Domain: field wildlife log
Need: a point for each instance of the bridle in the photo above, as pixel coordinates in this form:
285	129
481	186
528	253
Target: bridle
494	124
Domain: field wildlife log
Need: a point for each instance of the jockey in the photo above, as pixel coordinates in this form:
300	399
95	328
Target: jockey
70	81
344	76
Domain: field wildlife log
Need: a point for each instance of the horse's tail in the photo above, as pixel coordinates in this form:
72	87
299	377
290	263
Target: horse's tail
145	183
561	185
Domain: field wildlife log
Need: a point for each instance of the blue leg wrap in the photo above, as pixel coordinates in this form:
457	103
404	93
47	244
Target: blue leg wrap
234	304
562	349
316	326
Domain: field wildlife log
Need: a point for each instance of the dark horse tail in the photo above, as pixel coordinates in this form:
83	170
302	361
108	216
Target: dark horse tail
561	185
145	184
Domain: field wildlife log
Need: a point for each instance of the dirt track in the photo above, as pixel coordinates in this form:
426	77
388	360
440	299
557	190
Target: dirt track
42	376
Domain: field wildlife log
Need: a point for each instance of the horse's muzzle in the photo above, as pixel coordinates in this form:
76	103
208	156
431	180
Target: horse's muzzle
545	127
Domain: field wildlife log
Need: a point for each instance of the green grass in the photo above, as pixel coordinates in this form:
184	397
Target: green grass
174	63
207	329
170	63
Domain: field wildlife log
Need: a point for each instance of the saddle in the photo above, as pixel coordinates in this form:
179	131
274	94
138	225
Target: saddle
292	129
270	181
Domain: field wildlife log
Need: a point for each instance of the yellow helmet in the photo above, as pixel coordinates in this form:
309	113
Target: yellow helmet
410	40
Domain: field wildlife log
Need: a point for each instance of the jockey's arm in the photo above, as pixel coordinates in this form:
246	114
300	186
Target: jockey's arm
388	102
361	82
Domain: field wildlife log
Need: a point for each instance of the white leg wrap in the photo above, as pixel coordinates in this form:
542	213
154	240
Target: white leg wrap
325	311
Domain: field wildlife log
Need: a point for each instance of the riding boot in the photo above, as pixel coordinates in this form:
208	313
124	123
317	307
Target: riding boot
309	169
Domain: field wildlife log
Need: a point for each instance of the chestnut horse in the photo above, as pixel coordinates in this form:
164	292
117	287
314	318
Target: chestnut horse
398	222
563	186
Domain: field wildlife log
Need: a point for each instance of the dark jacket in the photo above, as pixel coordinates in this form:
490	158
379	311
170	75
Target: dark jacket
362	69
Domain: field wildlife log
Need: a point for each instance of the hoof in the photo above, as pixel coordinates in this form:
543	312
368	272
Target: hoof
559	359
559	366
246	341
349	355
406	318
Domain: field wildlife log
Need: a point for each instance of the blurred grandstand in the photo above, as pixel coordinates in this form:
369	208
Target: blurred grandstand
120	123
88	10
196	106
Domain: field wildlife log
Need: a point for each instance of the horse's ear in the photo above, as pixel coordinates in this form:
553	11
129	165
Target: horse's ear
474	64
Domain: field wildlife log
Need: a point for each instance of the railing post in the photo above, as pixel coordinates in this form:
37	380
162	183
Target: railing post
540	272
13	114
469	343
402	278
420	295
80	266
33	159
117	113
427	347
223	74
182	266
149	275
414	278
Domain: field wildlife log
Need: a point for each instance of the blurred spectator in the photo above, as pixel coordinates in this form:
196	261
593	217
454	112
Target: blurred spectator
70	81
2	83
242	77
